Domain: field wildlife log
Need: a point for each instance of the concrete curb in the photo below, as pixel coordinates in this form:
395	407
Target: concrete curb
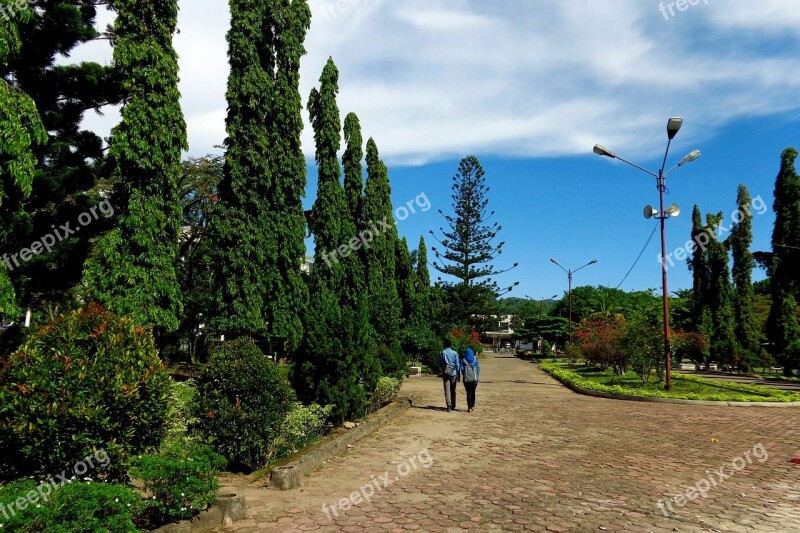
290	473
609	396
226	509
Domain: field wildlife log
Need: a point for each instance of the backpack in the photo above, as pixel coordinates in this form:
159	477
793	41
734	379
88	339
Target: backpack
470	373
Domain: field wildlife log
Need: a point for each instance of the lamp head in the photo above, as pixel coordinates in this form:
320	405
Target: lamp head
673	126
599	149
593	261
553	261
650	211
689	158
673	210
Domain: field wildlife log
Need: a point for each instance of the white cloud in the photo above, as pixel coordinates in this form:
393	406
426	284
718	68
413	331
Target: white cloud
518	77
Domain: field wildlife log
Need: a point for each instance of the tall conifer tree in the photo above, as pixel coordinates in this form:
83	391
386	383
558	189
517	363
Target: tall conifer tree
133	271
697	264
353	170
785	281
71	162
332	366
720	294
743	263
241	225
21	130
287	298
381	259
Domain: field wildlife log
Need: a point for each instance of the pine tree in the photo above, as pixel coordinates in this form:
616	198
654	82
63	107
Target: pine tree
21	130
71	162
720	295
785	280
133	271
287	298
381	261
468	247
743	263
242	225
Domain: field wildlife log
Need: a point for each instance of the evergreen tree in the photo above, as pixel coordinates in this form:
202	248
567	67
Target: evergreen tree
468	246
720	295
333	365
405	282
353	171
71	162
21	130
287	298
133	271
423	312
381	261
785	279
697	264
242	226
743	263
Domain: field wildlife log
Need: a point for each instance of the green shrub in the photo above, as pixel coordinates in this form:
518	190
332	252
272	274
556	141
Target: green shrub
301	427
547	349
392	360
77	507
181	480
242	400
385	392
89	380
180	416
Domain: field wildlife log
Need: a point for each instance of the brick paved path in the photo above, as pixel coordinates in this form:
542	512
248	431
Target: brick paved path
537	457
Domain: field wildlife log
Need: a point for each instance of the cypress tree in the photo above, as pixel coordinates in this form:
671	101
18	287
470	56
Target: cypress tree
720	295
381	260
21	130
785	280
287	298
422	313
405	282
743	263
353	170
241	225
332	362
697	264
133	271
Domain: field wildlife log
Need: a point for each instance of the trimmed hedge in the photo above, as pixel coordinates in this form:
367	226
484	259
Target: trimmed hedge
747	393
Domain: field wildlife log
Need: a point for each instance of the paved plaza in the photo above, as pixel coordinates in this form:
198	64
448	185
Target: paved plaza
535	456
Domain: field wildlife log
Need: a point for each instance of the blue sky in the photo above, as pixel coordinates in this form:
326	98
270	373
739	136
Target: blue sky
529	86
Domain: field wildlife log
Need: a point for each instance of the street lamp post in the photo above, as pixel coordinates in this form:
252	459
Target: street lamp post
569	291
673	126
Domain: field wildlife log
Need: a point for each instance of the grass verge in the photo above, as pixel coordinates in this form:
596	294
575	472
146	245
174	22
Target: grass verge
684	387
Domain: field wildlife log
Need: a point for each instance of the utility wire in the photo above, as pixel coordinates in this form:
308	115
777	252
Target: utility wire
650	238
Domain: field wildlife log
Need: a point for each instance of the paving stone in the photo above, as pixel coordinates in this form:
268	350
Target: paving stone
537	457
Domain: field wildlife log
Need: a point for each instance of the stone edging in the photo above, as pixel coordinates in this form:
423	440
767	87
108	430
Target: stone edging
626	397
226	509
290	473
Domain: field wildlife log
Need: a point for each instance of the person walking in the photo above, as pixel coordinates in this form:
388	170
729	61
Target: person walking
471	370
451	374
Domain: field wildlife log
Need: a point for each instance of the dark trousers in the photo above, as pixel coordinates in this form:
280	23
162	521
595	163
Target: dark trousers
470	388
449	383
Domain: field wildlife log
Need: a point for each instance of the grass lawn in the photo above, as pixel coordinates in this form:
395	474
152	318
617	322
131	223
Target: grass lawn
683	386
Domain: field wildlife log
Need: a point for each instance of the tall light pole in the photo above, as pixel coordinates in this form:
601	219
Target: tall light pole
569	291
673	126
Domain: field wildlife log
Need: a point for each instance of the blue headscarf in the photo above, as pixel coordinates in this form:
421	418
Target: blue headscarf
469	356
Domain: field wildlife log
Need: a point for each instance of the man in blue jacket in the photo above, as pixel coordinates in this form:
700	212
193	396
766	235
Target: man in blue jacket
451	370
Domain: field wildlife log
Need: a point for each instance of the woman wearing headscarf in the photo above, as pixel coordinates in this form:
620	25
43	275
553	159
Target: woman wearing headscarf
470	370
